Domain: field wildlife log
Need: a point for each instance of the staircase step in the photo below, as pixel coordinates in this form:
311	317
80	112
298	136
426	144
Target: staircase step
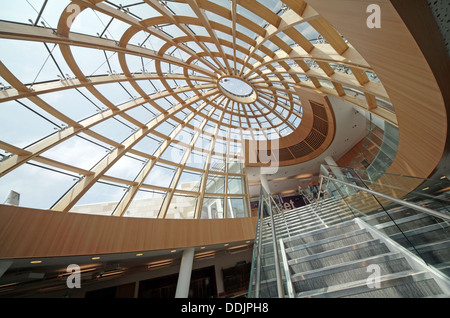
414	289
396	285
328	244
351	271
321	234
338	256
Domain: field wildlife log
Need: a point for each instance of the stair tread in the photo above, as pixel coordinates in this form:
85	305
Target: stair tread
349	272
325	270
328	240
357	287
345	254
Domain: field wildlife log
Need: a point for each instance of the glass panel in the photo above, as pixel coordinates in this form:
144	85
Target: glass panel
235	166
213	208
217	164
179	8
196	160
148	145
215	184
15	115
142	114
102	198
190	181
43	187
126	168
20	10
307	31
161	176
117	130
235	185
34	65
174	153
73	152
237	208
146	204
182	207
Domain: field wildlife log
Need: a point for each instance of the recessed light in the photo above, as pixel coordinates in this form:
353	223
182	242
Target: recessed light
35	262
203	247
173	251
226	244
139	254
95	258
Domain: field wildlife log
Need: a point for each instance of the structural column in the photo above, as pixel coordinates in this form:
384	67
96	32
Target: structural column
184	277
264	182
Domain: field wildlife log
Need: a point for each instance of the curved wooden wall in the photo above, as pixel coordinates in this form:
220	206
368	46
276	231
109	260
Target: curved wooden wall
410	60
27	233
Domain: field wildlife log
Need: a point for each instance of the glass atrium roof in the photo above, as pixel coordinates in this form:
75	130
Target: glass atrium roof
141	108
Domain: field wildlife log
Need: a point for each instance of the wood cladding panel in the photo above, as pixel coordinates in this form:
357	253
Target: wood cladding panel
26	233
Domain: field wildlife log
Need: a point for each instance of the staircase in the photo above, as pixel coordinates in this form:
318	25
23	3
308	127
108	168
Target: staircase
333	251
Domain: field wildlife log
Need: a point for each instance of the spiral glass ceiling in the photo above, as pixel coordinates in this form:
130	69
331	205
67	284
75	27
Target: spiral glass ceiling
141	108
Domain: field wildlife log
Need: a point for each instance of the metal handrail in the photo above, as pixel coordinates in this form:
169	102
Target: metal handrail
388	197
258	260
257	252
280	288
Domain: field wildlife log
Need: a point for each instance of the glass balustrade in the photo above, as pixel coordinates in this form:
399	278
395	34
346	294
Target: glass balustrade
414	212
268	277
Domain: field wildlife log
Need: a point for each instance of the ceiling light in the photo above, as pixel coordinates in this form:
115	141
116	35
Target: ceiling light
35	262
95	258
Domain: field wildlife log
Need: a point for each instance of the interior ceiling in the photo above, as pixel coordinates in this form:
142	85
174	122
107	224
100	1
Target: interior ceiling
25	279
350	129
113	101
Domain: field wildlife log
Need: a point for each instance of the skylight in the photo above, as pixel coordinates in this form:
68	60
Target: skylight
119	104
